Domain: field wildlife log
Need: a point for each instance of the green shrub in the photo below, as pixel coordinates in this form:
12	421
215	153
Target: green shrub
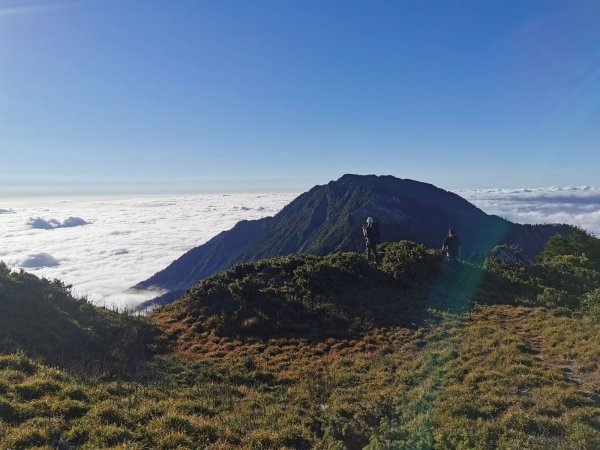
109	414
193	407
26	437
590	305
18	363
110	435
174	423
36	388
410	263
561	311
70	409
7	411
174	439
75	393
553	298
579	244
78	434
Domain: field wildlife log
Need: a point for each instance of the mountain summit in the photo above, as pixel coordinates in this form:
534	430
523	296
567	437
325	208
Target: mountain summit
328	218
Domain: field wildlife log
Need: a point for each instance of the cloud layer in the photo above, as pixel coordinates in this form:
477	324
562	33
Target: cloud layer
124	241
127	240
574	205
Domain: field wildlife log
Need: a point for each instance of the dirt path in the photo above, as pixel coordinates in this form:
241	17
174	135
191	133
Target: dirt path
538	348
536	345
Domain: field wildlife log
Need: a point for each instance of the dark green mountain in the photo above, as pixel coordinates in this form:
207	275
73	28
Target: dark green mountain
328	218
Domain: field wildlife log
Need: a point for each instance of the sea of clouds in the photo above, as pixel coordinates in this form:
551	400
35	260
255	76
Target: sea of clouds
103	247
578	206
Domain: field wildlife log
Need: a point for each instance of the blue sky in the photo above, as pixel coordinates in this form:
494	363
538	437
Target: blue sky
164	96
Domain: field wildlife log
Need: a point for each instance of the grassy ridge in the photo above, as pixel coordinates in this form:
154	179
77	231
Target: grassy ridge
318	352
42	318
338	295
481	380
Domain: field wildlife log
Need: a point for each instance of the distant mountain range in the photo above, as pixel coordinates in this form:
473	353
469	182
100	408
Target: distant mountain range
328	218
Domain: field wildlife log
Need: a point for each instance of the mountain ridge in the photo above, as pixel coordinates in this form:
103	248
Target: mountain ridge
327	218
336	353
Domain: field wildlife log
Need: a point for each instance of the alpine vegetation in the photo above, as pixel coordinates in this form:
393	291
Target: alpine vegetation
328	219
414	350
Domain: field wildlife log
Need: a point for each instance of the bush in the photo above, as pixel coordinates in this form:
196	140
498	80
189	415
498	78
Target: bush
174	439
553	298
580	244
410	263
8	412
76	435
27	437
37	388
561	311
590	305
75	393
109	414
110	435
18	363
71	409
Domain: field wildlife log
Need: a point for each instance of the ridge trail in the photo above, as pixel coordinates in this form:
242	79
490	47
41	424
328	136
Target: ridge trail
537	346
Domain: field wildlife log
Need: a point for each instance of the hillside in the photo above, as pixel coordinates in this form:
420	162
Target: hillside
328	219
42	318
341	295
338	295
307	352
498	377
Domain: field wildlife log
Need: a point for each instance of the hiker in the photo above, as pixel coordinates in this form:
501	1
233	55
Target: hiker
371	234
451	246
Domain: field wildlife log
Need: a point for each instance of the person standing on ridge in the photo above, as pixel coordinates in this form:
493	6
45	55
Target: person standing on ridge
370	231
451	246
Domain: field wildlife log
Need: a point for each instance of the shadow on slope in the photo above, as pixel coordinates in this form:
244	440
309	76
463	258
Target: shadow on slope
41	318
338	295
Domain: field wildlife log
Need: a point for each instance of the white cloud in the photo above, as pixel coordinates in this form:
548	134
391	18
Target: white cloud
126	240
8	11
50	224
6	211
43	224
38	260
73	222
574	205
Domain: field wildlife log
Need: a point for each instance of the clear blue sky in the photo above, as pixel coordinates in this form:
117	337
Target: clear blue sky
155	96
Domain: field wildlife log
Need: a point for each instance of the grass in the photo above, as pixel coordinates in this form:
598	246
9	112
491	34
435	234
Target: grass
489	378
311	352
42	318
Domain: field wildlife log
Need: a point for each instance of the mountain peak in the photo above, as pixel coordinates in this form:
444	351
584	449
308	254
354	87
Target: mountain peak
357	179
328	218
377	180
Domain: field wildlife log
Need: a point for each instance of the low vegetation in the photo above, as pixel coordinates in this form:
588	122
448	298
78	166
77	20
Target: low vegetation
41	318
319	352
